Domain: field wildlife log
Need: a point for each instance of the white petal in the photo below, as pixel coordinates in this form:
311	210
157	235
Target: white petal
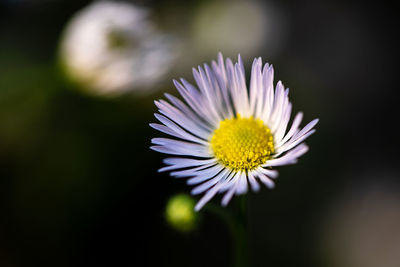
270	173
265	180
185	162
242	184
280	102
210	193
195	100
295	125
178	133
242	87
187	111
289	145
222	102
204	172
256	90
206	185
232	85
179	118
180	151
208	93
180	163
289	158
220	74
253	182
203	175
281	128
268	101
306	128
227	197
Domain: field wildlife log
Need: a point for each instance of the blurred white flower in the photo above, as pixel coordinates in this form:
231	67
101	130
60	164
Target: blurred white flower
113	48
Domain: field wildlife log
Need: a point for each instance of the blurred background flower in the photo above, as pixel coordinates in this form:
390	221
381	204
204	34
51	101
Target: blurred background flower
114	47
79	184
361	227
238	26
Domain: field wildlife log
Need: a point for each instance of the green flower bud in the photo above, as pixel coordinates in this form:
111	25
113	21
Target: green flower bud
180	212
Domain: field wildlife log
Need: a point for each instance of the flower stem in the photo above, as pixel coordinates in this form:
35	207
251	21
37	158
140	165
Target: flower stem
236	221
240	233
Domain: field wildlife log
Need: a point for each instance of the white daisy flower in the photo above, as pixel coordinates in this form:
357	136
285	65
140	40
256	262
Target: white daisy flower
228	138
114	47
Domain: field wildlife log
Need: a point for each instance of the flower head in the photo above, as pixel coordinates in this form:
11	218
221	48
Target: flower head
114	47
228	137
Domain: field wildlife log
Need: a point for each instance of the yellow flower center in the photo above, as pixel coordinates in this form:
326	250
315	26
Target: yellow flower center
242	143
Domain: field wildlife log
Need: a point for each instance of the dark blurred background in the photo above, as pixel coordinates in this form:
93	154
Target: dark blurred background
79	185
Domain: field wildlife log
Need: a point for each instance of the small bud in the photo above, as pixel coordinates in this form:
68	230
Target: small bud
180	212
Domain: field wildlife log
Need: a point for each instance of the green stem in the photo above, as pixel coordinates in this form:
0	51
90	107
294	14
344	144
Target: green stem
240	232
237	224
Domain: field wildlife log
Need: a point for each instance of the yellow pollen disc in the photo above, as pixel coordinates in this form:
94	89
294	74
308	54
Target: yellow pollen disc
242	143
